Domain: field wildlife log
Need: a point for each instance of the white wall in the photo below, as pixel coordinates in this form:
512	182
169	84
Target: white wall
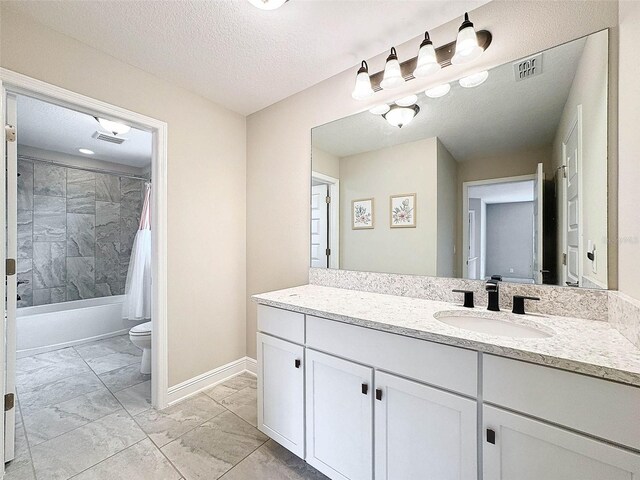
406	168
447	210
279	140
589	89
206	187
629	150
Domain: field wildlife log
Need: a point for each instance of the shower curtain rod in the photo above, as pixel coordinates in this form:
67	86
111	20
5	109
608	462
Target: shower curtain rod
86	169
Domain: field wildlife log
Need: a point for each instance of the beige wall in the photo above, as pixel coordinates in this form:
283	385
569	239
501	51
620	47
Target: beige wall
325	163
279	140
589	89
629	150
407	168
206	187
447	210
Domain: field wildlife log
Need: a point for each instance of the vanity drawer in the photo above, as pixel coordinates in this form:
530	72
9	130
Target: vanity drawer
443	366
281	323
598	407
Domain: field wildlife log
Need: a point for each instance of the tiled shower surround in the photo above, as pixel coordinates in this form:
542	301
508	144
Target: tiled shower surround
75	232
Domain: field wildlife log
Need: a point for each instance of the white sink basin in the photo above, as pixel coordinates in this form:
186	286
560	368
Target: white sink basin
492	326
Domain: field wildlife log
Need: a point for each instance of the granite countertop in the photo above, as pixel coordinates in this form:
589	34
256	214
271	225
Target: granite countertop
585	346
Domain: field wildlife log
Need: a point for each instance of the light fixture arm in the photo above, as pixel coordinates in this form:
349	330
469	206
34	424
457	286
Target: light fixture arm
443	55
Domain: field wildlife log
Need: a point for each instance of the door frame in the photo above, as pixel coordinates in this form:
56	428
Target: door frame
14	82
334	215
465	209
576	123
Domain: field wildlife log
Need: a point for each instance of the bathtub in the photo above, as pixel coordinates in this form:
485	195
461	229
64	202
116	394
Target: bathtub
48	327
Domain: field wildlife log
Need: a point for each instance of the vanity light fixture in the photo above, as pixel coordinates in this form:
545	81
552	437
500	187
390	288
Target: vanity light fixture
362	88
439	91
407	101
380	109
474	79
113	127
392	73
268	4
398	116
427	64
467	48
86	151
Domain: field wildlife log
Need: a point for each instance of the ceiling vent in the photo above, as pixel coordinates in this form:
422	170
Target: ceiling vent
527	68
108	137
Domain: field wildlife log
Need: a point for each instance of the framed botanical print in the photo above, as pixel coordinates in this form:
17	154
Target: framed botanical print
362	214
403	211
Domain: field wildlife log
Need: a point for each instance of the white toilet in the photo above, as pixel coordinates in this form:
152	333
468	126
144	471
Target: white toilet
140	336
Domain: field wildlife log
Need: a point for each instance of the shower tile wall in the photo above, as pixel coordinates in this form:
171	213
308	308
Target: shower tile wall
75	232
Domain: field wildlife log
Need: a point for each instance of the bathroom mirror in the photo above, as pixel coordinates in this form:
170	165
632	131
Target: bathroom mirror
507	177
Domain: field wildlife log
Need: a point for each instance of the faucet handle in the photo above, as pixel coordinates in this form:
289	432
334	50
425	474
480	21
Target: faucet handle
468	297
518	303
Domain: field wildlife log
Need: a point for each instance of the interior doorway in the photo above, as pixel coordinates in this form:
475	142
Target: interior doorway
325	221
64	216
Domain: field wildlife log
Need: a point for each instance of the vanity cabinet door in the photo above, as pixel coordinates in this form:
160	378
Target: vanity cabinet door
520	448
423	432
281	392
339	417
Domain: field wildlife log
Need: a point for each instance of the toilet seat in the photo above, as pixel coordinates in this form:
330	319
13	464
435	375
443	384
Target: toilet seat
144	329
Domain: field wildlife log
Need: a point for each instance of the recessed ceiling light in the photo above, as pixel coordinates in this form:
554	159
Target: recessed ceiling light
86	151
380	109
407	101
113	127
439	91
268	4
474	80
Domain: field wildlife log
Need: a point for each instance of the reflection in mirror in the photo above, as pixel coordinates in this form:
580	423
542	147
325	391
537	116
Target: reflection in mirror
507	177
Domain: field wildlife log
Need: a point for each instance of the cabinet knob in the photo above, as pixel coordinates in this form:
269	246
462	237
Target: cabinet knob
365	389
491	436
297	363
378	394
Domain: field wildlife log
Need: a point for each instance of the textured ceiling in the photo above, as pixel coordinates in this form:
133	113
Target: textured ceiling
499	116
50	127
235	54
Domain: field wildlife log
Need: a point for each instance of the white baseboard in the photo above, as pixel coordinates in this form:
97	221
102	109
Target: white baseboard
209	379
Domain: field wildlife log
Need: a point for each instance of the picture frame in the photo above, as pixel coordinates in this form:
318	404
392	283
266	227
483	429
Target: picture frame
362	214
402	210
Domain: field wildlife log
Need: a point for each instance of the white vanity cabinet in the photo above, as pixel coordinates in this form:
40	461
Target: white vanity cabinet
520	448
423	432
339	417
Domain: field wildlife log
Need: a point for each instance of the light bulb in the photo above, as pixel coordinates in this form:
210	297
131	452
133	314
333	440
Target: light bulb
474	80
467	48
362	88
380	109
427	63
407	101
392	77
439	91
400	116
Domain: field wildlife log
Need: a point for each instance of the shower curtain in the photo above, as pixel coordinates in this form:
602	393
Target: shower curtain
137	300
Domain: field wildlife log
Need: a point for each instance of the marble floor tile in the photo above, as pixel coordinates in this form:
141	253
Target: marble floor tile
35	362
242	381
163	426
210	450
119	344
79	449
112	361
244	404
273	462
49	422
142	461
220	392
51	373
57	392
136	399
20	468
124	377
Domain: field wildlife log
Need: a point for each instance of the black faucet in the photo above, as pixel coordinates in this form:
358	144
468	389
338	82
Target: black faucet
493	291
